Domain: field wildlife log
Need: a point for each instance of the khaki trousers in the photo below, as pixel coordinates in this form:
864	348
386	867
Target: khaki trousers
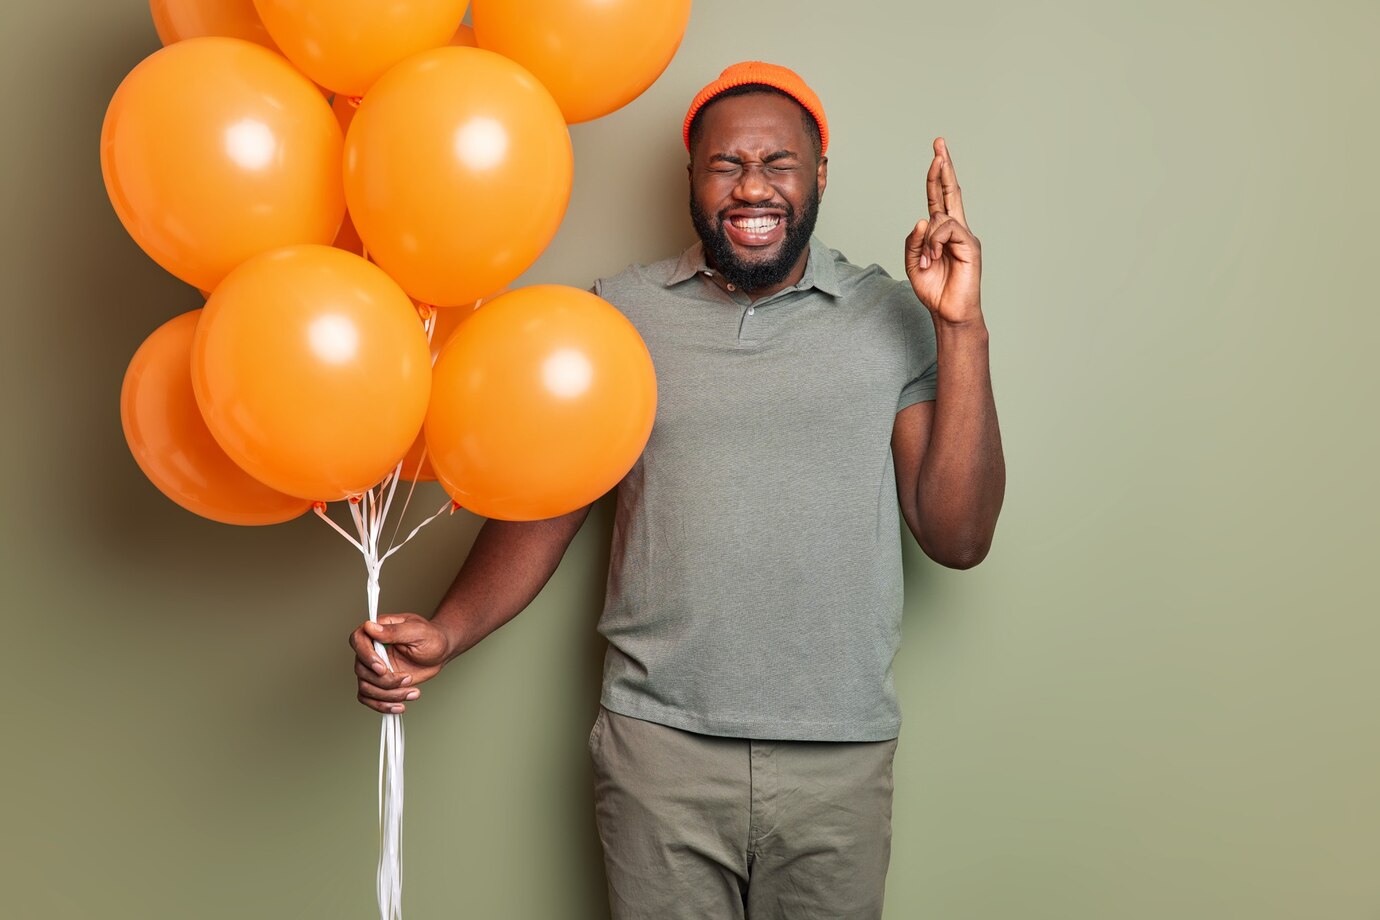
710	828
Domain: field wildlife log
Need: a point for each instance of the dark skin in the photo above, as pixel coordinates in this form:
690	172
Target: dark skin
950	471
753	153
744	164
754	156
508	565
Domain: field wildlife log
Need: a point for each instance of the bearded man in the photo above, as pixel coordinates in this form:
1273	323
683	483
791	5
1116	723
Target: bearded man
748	723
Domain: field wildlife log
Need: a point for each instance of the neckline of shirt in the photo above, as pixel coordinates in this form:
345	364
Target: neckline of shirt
819	270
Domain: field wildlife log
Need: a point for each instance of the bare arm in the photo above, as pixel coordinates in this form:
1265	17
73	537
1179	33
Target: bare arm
508	565
950	471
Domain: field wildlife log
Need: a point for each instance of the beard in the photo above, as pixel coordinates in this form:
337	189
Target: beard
756	274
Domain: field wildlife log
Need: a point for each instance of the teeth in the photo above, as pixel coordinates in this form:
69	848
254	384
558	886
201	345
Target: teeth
756	224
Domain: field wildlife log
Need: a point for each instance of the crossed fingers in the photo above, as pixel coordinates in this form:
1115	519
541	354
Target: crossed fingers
941	187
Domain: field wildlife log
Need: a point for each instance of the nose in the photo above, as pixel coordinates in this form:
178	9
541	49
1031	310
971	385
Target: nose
752	185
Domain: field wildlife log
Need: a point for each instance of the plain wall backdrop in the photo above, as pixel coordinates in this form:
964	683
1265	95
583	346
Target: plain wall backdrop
1156	698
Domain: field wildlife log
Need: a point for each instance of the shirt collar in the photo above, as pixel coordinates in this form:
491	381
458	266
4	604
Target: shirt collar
820	270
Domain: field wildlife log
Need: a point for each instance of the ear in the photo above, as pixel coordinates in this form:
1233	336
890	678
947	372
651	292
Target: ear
822	175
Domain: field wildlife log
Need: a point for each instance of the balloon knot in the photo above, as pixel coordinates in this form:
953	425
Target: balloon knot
354	101
455	506
319	507
355	499
425	310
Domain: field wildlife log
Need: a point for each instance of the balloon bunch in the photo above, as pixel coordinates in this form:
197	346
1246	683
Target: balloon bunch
353	185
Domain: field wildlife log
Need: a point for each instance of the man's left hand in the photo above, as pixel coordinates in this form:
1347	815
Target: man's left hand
943	258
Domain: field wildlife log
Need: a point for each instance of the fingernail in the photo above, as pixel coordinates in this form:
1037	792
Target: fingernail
924	261
407	679
379	668
395	709
413	695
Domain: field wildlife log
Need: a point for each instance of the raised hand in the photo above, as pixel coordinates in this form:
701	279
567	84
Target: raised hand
417	649
943	258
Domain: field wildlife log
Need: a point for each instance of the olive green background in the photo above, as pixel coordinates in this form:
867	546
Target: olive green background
1156	698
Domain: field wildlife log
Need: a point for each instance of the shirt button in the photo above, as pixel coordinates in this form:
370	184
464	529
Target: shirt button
751	311
732	288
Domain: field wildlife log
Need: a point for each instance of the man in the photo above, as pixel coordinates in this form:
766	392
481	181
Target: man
743	749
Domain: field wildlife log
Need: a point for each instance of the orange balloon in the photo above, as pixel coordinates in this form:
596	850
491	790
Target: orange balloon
457	172
348	237
173	446
215	149
464	37
541	402
344	110
348	44
416	465
594	56
176	20
311	369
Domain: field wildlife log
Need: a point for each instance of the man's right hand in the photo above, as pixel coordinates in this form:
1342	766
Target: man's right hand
507	565
417	649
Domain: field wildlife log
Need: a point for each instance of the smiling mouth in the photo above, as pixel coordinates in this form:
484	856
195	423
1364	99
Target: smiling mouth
759	231
755	224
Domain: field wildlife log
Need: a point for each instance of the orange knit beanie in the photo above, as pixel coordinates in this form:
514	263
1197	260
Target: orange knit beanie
773	75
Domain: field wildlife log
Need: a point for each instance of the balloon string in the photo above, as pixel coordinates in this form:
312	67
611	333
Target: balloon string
368	512
392	480
388	883
389	878
429	323
442	510
320	509
428	314
406	501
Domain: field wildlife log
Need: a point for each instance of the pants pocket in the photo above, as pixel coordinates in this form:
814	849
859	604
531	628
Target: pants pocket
597	729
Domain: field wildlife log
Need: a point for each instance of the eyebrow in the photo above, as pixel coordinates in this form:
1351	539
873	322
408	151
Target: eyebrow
769	158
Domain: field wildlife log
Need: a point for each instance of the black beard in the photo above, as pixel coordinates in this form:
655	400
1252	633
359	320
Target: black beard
756	275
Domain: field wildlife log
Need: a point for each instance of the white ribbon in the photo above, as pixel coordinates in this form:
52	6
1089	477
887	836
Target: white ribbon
369	520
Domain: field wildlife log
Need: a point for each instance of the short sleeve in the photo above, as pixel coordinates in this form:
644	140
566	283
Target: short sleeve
922	354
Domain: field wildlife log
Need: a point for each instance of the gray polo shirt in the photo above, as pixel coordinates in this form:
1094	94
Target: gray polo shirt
754	588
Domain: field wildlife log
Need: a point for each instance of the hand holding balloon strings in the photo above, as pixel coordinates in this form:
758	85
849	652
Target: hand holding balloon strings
369	512
418	651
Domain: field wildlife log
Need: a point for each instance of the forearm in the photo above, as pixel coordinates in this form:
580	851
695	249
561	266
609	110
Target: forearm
508	565
963	477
